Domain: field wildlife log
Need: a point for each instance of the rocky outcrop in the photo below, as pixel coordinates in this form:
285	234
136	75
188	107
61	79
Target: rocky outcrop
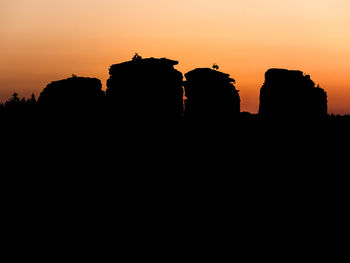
73	95
210	94
146	91
289	94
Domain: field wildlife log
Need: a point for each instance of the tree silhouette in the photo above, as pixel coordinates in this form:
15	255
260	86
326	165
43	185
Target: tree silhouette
33	99
136	57
14	98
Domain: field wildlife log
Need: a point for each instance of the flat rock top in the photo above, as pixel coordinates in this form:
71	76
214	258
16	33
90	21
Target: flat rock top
204	73
145	62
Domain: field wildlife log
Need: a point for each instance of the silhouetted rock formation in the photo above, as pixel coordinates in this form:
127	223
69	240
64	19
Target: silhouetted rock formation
75	95
210	95
146	91
290	94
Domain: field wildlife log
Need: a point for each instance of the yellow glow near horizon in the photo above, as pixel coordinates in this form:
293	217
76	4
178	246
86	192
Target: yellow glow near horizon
42	41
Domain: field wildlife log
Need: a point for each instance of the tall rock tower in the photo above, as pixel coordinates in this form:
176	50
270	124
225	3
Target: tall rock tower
289	94
145	91
210	95
71	96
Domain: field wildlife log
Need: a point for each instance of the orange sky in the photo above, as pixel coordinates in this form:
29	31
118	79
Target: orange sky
46	40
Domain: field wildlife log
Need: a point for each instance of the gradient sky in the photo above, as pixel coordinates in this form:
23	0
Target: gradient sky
46	40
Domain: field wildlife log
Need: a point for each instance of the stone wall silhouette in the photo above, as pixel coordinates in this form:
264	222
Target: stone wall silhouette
289	94
147	91
75	95
210	94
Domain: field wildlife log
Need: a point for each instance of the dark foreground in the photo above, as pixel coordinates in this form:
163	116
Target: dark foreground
253	181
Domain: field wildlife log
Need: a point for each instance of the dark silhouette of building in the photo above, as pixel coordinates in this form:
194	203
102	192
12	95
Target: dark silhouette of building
72	96
145	92
289	94
210	94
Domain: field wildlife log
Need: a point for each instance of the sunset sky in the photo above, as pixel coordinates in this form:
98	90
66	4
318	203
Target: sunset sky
46	40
